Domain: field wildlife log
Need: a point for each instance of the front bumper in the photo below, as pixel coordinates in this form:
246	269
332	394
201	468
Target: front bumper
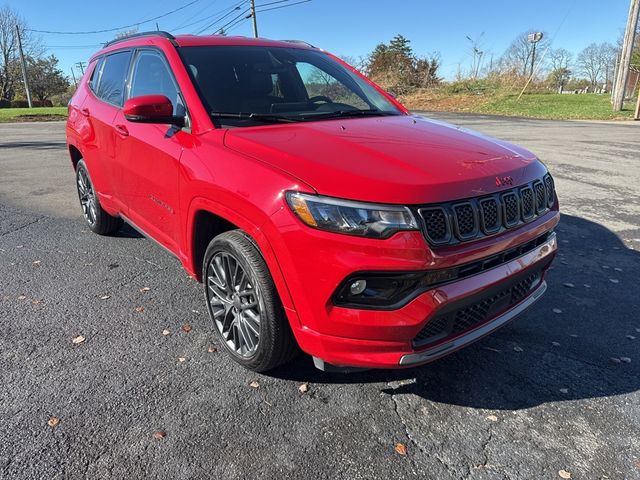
316	263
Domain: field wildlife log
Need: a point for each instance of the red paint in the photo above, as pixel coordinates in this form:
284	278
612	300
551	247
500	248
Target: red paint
160	178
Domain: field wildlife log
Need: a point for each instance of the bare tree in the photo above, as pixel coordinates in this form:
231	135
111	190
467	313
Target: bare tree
597	62
559	58
9	70
476	51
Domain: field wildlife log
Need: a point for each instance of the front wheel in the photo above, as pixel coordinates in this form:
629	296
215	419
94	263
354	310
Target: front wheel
99	221
244	304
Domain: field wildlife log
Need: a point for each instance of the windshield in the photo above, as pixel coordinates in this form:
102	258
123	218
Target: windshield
246	85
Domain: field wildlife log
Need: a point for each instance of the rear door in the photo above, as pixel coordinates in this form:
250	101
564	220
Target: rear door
148	155
107	85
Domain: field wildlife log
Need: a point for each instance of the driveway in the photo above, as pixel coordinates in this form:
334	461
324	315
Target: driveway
554	393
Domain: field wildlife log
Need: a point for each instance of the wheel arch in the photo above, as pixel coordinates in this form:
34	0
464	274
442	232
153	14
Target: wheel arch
208	219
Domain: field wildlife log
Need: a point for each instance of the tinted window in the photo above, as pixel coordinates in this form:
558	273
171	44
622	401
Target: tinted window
95	75
151	76
293	82
112	79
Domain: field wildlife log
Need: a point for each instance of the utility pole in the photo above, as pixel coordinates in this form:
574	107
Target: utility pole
81	65
620	83
24	67
253	16
534	38
73	75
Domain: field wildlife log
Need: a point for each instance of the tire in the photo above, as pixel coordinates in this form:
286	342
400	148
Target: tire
97	219
234	305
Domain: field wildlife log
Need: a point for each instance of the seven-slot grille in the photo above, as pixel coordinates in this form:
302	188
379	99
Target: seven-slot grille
456	222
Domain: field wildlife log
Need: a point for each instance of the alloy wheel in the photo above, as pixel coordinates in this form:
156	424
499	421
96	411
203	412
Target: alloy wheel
87	197
235	304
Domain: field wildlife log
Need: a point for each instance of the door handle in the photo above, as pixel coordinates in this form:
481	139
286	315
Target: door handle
122	130
84	111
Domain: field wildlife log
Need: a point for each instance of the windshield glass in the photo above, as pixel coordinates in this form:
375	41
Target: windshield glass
246	85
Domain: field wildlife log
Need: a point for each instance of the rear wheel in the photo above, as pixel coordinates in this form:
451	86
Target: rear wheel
244	304
99	221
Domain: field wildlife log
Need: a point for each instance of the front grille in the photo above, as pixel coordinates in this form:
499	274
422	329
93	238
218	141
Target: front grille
511	209
436	224
526	202
456	222
456	321
465	220
541	199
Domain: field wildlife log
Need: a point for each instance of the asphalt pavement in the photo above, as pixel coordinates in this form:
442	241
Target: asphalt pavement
553	394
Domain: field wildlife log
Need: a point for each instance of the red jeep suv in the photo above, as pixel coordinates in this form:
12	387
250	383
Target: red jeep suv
316	210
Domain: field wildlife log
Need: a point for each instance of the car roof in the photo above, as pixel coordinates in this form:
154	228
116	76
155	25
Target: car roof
157	38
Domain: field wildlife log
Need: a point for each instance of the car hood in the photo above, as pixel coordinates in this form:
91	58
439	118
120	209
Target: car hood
393	159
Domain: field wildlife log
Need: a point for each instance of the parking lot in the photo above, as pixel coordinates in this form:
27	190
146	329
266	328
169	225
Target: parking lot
554	393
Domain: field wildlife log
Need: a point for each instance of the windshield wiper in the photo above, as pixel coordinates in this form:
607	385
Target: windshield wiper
349	113
260	117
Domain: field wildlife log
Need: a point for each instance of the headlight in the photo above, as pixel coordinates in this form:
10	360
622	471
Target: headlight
352	218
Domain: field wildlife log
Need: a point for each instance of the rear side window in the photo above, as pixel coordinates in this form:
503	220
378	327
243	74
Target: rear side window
95	74
112	79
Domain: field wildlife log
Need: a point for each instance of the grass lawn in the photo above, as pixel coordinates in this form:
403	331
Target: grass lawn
535	105
38	114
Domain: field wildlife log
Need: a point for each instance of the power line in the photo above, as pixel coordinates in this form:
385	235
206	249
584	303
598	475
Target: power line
118	28
207	27
209	18
284	6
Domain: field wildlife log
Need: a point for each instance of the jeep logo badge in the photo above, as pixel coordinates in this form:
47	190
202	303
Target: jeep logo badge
502	181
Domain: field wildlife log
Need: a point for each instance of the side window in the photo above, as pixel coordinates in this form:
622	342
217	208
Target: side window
112	79
151	76
95	75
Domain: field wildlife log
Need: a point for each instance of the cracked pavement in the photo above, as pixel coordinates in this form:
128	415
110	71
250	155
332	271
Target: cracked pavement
552	391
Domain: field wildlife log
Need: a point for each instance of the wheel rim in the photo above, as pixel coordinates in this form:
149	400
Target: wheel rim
87	197
234	303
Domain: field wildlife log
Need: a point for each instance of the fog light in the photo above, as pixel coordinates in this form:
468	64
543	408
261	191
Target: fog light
358	287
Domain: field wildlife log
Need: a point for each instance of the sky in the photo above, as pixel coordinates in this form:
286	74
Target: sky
345	27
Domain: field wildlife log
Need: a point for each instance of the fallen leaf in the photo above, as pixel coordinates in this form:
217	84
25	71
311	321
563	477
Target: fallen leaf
618	269
573	335
564	390
145	289
586	285
615	360
212	349
606	267
564	474
625	359
304	388
36	262
568	285
614	280
53	421
254	384
555	344
186	328
78	339
518	349
492	349
492	418
159	435
631	337
139	309
181	359
166	332
19	246
557	310
401	449
22	297
104	297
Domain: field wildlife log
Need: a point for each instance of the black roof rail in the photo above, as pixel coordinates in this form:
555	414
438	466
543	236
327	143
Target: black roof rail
299	42
153	33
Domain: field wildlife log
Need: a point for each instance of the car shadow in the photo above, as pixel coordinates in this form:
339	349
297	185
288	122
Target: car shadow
580	341
127	231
